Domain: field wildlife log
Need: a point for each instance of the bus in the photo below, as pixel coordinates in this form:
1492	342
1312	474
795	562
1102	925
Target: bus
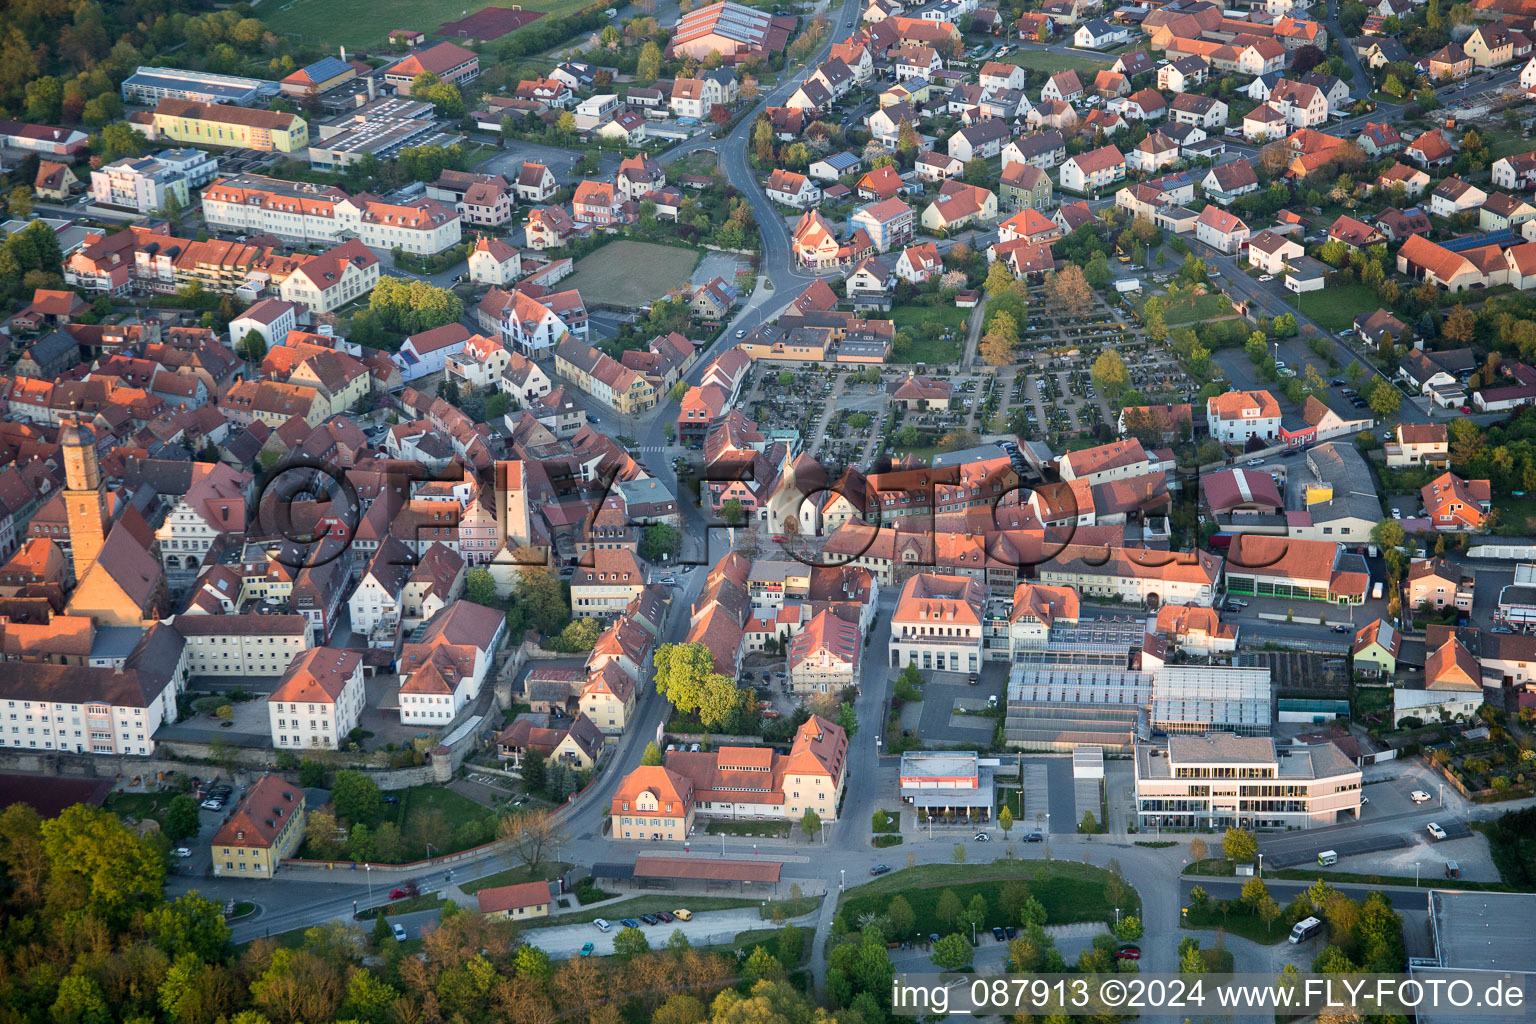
1305	929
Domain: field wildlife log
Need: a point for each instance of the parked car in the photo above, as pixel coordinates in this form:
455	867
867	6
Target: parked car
1340	628
398	894
1266	277
1034	837
878	869
398	930
650	919
1418	796
1128	953
601	925
683	914
1435	830
587	948
212	805
664	917
982	837
1010	931
182	852
997	933
629	922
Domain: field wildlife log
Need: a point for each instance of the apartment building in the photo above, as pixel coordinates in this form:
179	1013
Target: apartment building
266	827
243	645
318	701
308	213
938	623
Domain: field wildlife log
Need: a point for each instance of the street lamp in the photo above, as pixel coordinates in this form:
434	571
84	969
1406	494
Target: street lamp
429	854
368	871
842	878
1261	865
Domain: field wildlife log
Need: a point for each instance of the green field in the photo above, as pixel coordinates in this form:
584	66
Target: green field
626	273
366	23
1337	306
1050	63
1069	892
1188	309
934	349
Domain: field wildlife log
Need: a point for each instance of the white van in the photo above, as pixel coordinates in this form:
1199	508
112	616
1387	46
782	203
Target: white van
1327	857
1305	929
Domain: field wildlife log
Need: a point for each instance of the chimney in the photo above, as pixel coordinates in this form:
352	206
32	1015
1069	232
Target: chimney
373	88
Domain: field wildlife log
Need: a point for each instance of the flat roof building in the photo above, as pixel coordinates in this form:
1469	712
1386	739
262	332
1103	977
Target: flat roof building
945	783
148	86
381	128
1224	781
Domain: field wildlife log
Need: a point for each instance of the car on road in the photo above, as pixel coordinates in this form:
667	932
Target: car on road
1266	277
1034	837
683	914
182	852
982	837
587	948
1339	628
1128	953
1435	830
628	922
601	925
997	933
1255	462
879	869
1418	796
1465	410
399	932
400	894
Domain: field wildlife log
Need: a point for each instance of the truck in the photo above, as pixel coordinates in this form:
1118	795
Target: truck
1130	284
1376	590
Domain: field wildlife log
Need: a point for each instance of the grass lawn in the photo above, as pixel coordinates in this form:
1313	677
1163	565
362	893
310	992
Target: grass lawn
1069	892
141	806
1506	144
1188	309
409	905
1337	307
423	802
515	876
1516	517
364	23
1239	921
627	273
750	829
931	350
1050	63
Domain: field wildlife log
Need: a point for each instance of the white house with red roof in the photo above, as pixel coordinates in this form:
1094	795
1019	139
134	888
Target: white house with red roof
494	262
1220	230
427	352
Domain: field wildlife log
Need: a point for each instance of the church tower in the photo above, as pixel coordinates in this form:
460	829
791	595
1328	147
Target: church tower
85	499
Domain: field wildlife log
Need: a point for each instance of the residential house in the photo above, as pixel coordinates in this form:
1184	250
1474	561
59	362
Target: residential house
1221	230
1092	171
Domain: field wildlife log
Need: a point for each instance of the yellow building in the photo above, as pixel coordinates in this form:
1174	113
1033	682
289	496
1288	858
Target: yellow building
515	902
223	124
267	826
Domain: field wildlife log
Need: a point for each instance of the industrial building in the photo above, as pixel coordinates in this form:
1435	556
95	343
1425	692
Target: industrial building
148	86
380	128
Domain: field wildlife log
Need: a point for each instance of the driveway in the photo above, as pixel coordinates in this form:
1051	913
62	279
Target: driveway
509	161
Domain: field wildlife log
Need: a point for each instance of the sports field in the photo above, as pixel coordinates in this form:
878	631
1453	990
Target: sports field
367	23
626	273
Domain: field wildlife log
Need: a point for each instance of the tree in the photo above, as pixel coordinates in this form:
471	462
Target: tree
899	913
1128	929
660	539
1238	845
948	909
19	203
530	835
1005	820
311	774
652	755
810	822
952	952
480	587
1460	324
535	771
958	856
995	349
1198	850
98	866
1190	960
732	512
1089	825
1254	892
356	798
761	964
1110	373
181	820
1268	909
630	943
1384	399
1068	289
253	347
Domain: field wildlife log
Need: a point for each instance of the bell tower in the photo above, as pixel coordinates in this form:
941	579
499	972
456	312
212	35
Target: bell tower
85	499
